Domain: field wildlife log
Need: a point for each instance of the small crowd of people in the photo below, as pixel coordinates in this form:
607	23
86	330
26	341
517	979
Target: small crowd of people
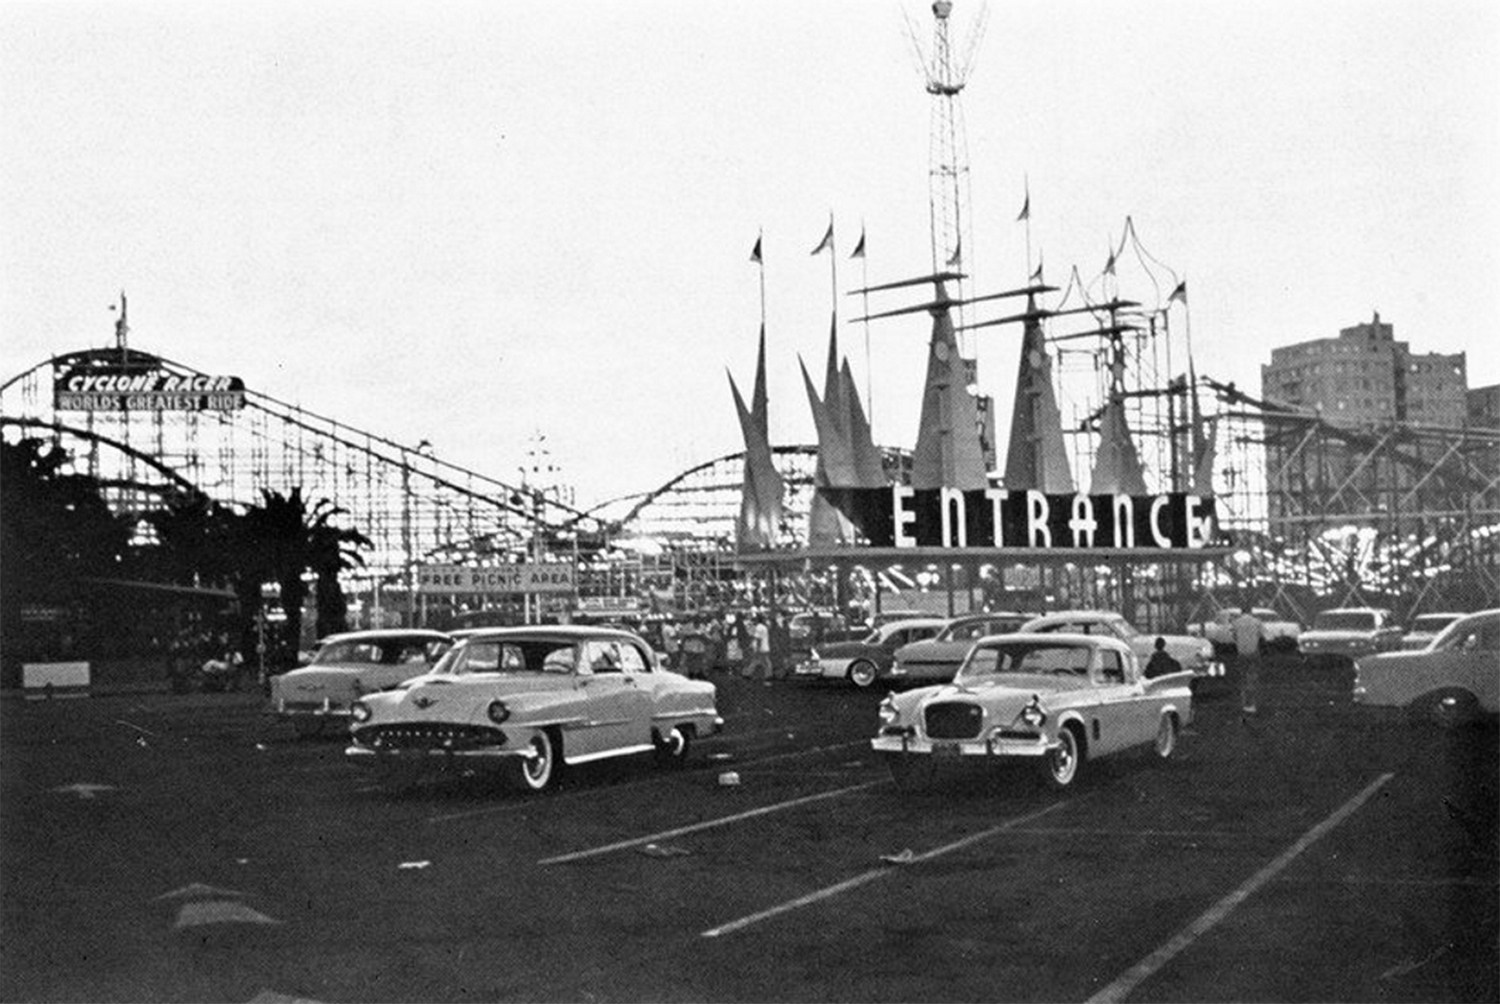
757	646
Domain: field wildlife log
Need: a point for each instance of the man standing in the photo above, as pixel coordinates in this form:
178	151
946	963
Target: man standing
1248	634
760	650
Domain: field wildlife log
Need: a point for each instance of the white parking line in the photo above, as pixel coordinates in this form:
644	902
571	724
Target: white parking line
706	825
870	876
1143	970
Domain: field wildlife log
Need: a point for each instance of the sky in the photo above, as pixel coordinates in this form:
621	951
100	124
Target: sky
480	225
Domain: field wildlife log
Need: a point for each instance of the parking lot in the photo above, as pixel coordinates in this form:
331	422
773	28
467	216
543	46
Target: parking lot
181	848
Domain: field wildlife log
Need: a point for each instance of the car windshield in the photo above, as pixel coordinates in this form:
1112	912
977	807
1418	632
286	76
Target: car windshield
380	651
1344	620
1014	659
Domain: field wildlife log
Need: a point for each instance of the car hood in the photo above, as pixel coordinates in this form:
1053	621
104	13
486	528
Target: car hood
1016	690
444	698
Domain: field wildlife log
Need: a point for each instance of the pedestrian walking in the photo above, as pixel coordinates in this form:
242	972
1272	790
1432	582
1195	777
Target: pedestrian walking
1161	662
1248	634
760	651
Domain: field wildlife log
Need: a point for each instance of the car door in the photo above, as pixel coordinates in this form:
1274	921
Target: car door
616	709
1122	706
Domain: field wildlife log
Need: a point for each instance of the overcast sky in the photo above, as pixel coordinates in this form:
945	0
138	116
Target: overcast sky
474	223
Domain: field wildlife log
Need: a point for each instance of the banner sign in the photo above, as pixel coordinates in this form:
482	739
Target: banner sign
118	388
496	580
899	516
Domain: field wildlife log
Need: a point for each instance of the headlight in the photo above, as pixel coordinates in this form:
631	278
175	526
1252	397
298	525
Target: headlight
360	712
888	713
1033	714
498	712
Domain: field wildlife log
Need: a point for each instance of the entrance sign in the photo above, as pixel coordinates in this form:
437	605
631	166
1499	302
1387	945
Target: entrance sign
121	388
898	516
496	580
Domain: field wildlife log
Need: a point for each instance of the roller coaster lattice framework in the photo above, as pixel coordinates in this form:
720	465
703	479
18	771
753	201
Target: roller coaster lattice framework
1324	514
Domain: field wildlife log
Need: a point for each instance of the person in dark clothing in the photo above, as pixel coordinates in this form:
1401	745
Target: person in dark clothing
1161	662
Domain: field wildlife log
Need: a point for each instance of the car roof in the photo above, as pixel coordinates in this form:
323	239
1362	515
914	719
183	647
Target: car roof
1053	638
913	622
388	634
1080	615
987	615
555	632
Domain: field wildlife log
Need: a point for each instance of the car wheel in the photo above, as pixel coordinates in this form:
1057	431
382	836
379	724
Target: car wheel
910	772
1450	709
307	728
1061	765
1166	736
672	749
863	673
534	773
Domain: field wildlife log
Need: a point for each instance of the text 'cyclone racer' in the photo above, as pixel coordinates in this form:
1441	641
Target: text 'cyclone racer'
527	700
1056	699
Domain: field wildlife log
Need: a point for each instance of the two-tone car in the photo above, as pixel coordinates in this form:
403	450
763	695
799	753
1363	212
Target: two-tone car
1340	636
524	701
1194	654
937	658
1054	700
1453	681
347	666
864	662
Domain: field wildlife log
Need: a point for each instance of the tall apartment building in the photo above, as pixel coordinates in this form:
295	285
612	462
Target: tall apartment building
1377	440
1366	377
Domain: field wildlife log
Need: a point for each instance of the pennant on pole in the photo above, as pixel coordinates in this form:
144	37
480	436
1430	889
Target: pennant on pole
1025	209
1037	275
1109	266
755	251
859	249
1180	293
957	258
827	241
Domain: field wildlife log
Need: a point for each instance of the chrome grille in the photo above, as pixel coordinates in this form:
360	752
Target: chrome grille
434	736
954	720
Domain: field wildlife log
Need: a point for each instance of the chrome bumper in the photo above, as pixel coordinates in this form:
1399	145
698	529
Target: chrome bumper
960	748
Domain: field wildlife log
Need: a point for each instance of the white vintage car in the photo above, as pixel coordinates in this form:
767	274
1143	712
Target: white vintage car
1058	700
347	666
1277	633
1195	654
526	700
1453	681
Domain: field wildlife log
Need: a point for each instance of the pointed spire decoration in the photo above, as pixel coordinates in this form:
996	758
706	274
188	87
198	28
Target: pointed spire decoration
1036	458
948	452
763	490
1117	465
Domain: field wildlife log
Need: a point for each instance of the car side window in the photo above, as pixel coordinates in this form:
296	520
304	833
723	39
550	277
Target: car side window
602	656
1111	669
559	660
481	657
632	661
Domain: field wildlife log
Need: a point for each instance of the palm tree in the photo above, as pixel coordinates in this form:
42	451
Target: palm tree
334	549
292	538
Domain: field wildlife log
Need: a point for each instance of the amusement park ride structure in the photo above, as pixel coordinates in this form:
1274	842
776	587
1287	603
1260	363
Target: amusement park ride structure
1314	513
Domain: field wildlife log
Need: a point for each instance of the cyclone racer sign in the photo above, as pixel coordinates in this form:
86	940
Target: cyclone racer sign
901	517
118	388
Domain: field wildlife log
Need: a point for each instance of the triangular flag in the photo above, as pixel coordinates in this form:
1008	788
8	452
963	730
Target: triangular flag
827	241
1109	266
957	258
859	249
755	252
1037	275
1025	209
1180	293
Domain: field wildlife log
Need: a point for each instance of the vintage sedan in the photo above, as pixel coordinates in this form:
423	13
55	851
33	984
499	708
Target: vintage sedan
1338	637
1453	681
348	665
1195	654
869	659
937	658
525	700
1277	633
1058	700
1424	628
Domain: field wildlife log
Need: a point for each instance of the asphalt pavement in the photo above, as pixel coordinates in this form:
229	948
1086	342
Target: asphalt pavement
184	848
